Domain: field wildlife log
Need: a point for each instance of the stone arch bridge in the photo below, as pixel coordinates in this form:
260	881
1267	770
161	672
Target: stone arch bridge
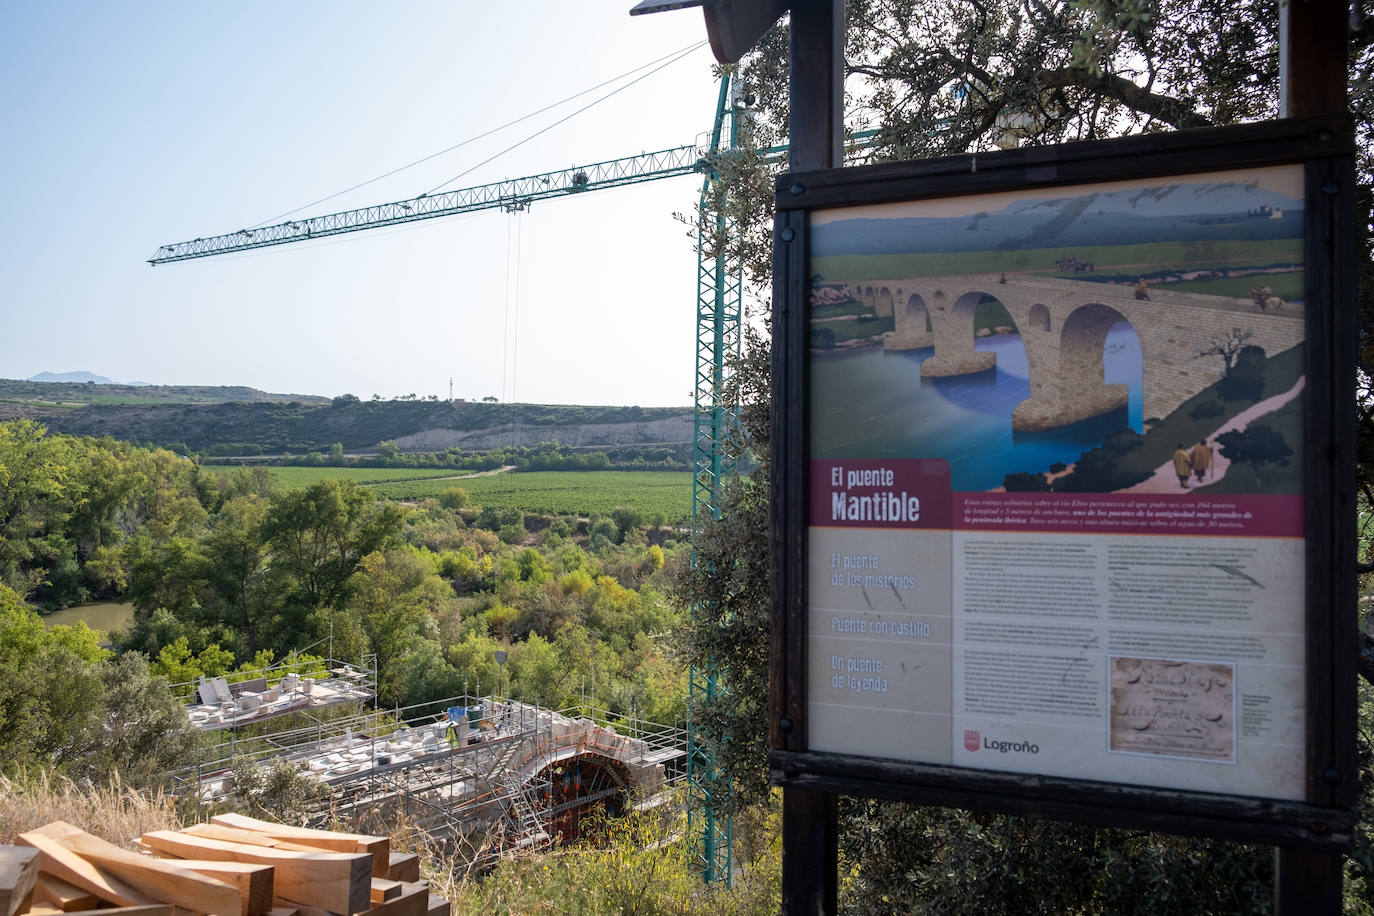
1064	325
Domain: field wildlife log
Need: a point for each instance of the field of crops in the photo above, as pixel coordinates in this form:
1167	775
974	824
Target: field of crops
567	492
292	477
546	492
1141	258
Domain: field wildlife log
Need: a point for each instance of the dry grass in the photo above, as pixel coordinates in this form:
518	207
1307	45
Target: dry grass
112	811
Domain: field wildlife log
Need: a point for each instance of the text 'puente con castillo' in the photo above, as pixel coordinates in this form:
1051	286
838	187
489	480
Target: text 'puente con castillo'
1064	325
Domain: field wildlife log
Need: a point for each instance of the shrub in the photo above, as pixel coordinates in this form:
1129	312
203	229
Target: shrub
453	498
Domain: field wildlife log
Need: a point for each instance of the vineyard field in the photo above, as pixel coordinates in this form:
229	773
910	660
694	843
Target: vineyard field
566	492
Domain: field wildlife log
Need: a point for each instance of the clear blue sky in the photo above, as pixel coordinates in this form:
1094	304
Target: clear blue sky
129	125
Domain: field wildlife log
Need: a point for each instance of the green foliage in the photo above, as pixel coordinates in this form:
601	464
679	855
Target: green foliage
935	860
281	792
638	865
319	536
453	498
67	703
728	589
227	574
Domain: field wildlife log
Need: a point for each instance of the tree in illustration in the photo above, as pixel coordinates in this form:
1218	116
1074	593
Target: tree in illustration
1227	346
1257	446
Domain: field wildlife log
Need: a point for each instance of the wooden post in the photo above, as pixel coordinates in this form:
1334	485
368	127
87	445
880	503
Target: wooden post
810	823
816	85
1313	36
1306	882
1312	57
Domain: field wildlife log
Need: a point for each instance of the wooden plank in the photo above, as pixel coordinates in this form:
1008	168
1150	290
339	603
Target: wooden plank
246	837
154	909
335	881
414	902
56	859
64	895
377	846
403	866
43	909
284	911
384	889
18	872
159	879
439	906
253	881
301	909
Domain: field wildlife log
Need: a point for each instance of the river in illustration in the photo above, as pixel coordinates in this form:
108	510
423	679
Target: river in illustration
872	403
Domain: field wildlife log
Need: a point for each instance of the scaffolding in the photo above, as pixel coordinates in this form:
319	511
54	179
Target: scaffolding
498	773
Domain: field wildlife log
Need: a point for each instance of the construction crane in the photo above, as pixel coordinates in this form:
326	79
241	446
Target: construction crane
510	195
719	309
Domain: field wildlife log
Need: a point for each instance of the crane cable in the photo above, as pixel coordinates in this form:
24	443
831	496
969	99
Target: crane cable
510	352
677	56
674	55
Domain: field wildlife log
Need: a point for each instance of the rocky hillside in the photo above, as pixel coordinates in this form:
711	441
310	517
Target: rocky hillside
248	428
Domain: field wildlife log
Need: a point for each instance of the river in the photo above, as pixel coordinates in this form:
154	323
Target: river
109	616
873	403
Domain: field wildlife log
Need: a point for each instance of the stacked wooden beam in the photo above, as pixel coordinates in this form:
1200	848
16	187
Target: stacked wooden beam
232	866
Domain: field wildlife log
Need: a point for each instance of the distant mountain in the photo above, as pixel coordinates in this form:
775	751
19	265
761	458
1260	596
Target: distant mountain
1201	212
87	388
80	377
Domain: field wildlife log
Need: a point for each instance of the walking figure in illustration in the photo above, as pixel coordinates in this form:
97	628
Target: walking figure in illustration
1201	459
1183	465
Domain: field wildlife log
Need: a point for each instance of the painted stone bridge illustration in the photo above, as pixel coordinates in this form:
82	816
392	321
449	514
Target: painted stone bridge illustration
1064	325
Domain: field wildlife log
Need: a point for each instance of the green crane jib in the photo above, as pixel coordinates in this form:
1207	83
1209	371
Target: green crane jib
512	194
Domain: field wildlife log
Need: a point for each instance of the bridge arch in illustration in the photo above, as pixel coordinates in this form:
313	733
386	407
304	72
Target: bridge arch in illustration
1064	346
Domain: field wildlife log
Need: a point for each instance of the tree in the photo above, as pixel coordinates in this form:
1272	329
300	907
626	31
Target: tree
240	588
318	536
453	498
37	491
728	588
395	596
66	703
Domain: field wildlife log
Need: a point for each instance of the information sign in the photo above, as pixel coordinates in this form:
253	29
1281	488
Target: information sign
1068	469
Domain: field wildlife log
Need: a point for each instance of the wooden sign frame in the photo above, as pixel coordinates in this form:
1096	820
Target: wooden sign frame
1324	817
